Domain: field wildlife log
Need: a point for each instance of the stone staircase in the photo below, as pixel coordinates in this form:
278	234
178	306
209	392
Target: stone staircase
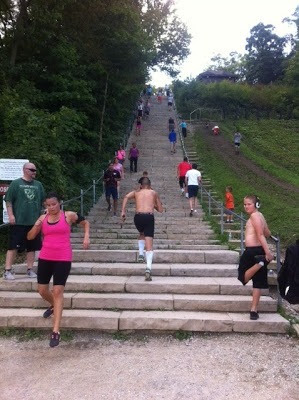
194	285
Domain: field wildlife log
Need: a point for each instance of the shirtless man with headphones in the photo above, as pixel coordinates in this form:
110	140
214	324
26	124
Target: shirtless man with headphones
256	257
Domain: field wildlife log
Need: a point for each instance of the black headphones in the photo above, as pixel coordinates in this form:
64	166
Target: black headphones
257	202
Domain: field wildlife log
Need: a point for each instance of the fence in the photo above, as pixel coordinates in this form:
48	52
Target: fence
240	218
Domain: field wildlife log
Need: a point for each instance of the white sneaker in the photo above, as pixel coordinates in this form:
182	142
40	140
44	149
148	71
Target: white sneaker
31	273
8	275
195	211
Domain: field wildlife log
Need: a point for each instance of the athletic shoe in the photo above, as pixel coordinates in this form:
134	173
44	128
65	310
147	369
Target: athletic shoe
55	338
148	276
141	258
254	315
31	274
8	275
109	208
48	312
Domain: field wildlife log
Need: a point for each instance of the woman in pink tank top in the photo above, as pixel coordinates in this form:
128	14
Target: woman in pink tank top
55	256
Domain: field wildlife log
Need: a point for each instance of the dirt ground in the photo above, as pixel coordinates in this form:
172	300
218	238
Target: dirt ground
204	367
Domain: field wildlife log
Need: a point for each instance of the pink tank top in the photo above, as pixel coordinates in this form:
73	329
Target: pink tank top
56	240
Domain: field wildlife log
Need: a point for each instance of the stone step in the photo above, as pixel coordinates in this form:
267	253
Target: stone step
128	269
146	320
156	246
133	241
139	301
160	256
137	284
133	235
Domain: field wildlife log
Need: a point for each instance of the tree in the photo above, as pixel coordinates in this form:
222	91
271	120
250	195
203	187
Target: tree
168	38
265	59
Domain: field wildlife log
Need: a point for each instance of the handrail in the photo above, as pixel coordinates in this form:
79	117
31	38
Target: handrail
240	217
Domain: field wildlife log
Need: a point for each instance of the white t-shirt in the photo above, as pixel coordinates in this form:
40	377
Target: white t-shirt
192	176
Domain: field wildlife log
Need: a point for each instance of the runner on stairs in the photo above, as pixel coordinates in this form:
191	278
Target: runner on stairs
147	200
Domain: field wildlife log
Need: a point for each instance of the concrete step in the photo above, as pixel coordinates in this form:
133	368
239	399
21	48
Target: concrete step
160	256
146	321
139	301
133	241
137	284
128	269
156	246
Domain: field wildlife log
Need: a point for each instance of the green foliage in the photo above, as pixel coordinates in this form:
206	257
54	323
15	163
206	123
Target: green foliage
237	100
265	55
182	335
70	74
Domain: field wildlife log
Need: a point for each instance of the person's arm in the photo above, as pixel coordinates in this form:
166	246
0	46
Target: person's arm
199	179
178	172
258	226
74	218
35	230
127	197
11	217
186	179
158	204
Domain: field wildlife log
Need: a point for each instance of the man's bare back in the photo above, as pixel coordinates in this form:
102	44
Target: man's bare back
146	199
255	225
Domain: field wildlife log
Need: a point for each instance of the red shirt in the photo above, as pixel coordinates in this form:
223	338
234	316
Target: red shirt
229	201
183	167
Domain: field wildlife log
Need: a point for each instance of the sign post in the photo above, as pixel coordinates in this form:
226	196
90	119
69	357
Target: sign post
10	169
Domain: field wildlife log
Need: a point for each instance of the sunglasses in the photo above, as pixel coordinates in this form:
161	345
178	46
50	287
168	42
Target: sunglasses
31	169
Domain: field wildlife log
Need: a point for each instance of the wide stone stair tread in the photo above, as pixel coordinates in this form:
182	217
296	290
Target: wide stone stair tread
160	256
139	301
137	284
146	320
199	270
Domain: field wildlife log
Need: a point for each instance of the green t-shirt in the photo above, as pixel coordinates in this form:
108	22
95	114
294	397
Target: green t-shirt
26	199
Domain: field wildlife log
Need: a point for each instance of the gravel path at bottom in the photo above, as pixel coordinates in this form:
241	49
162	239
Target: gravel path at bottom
205	367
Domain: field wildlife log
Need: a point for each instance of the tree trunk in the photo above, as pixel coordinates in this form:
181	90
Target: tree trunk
103	114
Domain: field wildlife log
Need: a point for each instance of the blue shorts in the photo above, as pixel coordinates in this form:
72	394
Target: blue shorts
192	190
112	191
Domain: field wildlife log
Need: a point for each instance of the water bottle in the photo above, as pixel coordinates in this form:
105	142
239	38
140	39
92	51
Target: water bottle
229	236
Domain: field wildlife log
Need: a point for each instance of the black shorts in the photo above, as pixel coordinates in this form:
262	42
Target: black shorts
60	271
18	239
170	103
182	181
111	191
145	223
247	260
229	211
192	190
237	144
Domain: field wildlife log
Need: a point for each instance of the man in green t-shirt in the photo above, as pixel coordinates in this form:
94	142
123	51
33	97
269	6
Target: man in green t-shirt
24	200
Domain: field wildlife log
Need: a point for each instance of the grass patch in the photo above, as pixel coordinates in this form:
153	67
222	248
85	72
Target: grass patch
120	336
279	207
271	144
22	335
182	335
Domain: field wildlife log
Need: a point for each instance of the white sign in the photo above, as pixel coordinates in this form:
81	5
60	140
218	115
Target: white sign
11	169
5	215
